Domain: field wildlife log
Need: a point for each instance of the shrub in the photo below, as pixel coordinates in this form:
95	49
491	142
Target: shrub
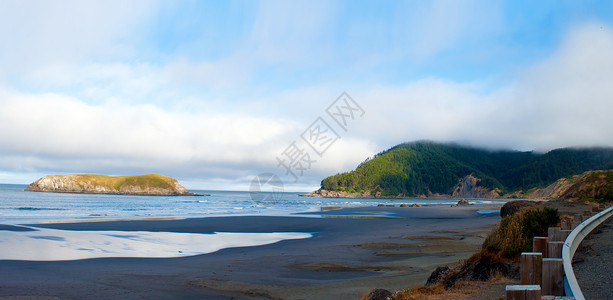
514	233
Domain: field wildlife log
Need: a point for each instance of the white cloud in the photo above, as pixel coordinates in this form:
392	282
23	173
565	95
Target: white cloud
562	101
49	126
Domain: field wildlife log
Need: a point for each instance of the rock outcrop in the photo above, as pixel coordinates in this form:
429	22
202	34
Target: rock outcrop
468	187
151	184
462	202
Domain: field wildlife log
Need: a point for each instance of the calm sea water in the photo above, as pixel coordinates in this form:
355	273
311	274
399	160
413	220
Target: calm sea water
19	206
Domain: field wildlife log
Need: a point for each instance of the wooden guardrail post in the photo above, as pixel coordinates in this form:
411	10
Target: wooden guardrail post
553	277
554	234
554	249
523	292
539	244
530	268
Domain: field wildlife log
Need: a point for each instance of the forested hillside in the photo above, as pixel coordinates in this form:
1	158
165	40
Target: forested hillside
425	168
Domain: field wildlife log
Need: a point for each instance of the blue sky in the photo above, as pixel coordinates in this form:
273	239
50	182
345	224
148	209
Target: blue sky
211	92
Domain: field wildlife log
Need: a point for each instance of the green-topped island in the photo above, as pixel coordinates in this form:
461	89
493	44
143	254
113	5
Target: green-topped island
150	184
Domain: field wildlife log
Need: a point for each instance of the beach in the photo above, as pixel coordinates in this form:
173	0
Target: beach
350	252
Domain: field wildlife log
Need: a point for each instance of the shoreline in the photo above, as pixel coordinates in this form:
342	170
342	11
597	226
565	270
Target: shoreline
368	195
344	258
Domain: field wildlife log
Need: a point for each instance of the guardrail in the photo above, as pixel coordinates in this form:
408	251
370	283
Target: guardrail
574	239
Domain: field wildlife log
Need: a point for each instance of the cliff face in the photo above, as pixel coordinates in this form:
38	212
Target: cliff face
152	184
468	187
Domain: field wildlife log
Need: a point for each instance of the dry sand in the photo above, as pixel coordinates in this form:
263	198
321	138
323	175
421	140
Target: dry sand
353	250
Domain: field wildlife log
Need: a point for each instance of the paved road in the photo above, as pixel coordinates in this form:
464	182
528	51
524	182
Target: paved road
594	266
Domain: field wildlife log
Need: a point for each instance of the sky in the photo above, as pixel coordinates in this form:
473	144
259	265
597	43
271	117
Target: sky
214	93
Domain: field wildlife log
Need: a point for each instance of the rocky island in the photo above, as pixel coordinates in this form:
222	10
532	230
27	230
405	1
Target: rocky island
150	184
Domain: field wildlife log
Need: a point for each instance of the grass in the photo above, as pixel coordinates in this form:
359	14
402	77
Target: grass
116	182
462	290
423	292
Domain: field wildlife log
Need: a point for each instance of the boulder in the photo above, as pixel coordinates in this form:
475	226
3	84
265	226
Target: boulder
463	202
403	205
482	268
415	205
379	294
437	275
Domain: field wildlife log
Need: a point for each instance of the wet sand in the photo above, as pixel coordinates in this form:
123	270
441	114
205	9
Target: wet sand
352	251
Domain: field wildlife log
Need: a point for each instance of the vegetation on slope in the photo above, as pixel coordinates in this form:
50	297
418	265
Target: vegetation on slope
424	168
116	182
596	186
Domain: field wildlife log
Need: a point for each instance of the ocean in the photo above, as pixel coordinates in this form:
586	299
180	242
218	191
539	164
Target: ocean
32	242
18	206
